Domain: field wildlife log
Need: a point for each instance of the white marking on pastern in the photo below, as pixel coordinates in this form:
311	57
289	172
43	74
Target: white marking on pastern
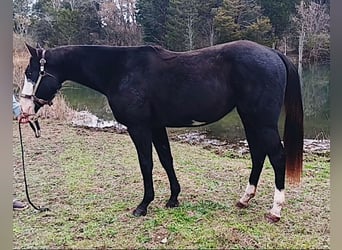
278	203
249	194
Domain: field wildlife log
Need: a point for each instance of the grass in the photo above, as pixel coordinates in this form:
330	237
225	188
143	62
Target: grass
91	182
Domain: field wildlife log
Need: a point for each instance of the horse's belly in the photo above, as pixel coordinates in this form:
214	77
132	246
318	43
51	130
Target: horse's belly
194	115
199	100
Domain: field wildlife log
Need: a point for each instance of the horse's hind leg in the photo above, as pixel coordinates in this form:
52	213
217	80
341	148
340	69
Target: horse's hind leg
258	157
162	145
264	139
277	158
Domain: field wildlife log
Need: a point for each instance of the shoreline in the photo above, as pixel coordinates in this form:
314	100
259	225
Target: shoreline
84	119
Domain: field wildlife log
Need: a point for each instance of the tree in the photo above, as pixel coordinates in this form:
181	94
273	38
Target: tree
20	16
152	15
259	31
71	4
41	30
119	23
180	26
89	23
312	22
226	24
56	22
41	21
242	19
207	11
66	27
279	13
190	24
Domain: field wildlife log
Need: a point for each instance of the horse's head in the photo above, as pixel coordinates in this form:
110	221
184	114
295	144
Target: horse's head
41	81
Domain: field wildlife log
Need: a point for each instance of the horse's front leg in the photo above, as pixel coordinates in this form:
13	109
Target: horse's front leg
142	139
162	145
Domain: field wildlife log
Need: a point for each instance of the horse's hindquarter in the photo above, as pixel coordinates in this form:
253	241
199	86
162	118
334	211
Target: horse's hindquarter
259	79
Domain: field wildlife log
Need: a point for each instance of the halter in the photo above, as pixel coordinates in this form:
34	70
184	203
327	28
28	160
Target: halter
42	73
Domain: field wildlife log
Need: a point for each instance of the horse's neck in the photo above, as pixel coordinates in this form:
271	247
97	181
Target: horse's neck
95	70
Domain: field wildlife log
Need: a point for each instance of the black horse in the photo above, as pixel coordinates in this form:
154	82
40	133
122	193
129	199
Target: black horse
150	88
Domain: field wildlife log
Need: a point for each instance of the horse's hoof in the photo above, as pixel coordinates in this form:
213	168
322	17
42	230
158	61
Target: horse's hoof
172	204
272	218
139	212
241	205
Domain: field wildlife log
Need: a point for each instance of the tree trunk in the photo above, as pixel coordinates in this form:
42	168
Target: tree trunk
190	32
212	33
300	53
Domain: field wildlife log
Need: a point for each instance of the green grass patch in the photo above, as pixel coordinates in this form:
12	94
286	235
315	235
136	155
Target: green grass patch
91	182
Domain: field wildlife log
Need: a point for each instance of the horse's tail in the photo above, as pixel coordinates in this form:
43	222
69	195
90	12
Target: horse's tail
293	132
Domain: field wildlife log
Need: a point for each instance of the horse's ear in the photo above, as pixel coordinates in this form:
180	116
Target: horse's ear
38	46
32	50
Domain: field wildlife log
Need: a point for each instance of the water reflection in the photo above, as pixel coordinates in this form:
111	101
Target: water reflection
315	91
82	98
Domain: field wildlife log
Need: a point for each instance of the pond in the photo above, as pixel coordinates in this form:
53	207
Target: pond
315	92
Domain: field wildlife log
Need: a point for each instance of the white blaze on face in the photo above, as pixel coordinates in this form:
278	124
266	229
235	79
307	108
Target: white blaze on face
27	88
278	203
249	194
27	104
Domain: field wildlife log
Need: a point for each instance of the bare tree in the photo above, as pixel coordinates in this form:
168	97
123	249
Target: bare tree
56	4
312	22
74	4
119	22
190	28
